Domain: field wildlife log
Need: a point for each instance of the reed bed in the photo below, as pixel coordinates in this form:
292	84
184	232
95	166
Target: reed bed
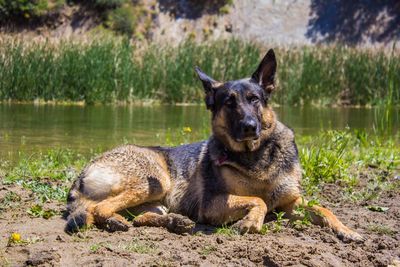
113	70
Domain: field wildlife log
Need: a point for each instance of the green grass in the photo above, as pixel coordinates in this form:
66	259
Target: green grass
48	175
25	9
138	246
363	165
207	250
38	211
381	229
113	70
95	247
9	201
226	231
133	246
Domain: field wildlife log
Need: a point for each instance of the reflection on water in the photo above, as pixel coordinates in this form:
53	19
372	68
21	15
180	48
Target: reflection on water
30	128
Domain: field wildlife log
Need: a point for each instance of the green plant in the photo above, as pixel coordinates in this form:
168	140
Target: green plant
110	70
10	199
16	239
45	174
137	246
324	161
278	224
381	229
304	214
264	229
38	211
122	20
108	3
226	231
95	247
83	234
377	208
224	9
26	9
341	157
207	250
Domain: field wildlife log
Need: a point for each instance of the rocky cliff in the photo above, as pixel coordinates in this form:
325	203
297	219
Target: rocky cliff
290	22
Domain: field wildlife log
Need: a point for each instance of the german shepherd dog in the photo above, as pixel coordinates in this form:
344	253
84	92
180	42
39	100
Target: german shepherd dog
247	168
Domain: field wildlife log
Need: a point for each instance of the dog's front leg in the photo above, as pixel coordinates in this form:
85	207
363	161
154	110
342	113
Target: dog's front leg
249	212
321	216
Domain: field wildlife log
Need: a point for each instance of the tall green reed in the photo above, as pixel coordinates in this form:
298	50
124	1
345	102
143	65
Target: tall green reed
110	70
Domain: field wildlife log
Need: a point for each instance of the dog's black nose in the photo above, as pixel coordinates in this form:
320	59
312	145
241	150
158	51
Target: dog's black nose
249	127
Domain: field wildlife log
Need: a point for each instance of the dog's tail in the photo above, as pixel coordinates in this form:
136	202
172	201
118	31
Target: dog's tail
78	212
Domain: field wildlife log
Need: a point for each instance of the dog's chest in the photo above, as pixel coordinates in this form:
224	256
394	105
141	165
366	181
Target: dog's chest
241	184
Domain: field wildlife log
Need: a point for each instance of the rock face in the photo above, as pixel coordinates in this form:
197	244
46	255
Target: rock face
294	22
289	22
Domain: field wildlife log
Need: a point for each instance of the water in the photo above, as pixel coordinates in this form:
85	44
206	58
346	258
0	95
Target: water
30	128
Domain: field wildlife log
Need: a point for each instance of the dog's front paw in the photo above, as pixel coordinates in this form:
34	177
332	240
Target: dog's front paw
113	225
179	224
350	236
247	226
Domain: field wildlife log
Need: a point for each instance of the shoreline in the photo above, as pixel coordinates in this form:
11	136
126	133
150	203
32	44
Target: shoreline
157	103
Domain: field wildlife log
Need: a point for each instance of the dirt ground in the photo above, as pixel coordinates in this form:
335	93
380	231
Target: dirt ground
44	242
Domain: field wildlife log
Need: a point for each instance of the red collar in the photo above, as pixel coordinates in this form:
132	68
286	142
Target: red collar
222	158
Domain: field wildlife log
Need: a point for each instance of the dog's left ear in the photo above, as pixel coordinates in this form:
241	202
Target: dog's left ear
210	85
265	73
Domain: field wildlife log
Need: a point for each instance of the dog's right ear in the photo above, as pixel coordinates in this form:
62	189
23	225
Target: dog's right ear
265	73
210	85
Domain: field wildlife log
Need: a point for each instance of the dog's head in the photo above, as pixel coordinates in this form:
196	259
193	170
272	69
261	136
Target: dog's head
241	117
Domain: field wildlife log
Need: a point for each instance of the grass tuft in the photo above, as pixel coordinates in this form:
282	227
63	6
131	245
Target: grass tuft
137	246
381	229
226	231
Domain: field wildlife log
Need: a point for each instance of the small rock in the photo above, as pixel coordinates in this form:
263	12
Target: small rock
42	257
394	263
219	240
382	246
80	235
228	27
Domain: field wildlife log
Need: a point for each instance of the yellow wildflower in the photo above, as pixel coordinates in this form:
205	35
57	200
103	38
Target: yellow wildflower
187	129
15	237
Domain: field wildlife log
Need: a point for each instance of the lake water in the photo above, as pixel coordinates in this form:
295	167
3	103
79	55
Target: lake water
30	128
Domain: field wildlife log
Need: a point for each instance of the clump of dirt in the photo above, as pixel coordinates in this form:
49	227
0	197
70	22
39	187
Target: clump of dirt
44	243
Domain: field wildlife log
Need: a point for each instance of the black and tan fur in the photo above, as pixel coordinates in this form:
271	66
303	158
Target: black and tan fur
247	168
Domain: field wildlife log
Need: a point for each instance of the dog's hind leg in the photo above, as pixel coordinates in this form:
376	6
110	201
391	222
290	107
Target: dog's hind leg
321	216
105	212
155	215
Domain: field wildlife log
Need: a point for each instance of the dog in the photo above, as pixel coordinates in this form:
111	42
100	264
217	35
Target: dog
247	168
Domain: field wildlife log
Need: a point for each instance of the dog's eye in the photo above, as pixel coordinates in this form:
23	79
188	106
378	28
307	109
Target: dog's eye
254	100
230	102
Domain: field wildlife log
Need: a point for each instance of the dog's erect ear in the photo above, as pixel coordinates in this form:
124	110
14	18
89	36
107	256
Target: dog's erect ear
265	73
209	85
